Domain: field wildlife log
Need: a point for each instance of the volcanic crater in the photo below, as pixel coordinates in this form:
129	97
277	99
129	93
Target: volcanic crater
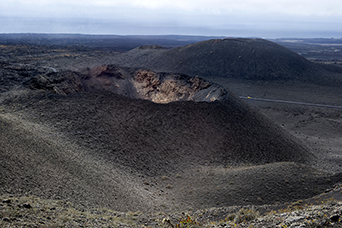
131	138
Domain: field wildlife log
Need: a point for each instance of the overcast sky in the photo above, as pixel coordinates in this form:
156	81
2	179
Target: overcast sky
241	18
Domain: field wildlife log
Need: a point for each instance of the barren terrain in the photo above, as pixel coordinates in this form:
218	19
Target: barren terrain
77	125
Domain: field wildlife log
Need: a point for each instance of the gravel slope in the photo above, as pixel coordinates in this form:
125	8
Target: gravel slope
102	149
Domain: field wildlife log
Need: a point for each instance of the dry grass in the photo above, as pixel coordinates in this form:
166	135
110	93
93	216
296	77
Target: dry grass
33	211
30	211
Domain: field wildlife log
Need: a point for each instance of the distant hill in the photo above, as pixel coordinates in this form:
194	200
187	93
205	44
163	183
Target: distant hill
252	59
105	42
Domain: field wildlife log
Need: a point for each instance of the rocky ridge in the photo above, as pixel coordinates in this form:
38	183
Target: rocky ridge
133	83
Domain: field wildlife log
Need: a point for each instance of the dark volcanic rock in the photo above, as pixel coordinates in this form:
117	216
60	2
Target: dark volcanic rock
133	83
60	82
12	76
27	205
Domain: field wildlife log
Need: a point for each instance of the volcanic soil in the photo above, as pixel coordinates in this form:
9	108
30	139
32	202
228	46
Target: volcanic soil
64	139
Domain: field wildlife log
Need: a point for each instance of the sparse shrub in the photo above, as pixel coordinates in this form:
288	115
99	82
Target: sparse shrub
230	217
296	205
166	223
245	215
188	222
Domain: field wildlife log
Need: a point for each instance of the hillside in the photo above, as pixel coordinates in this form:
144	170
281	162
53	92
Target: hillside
76	128
252	59
96	147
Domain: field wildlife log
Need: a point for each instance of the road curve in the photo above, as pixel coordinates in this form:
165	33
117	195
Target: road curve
290	102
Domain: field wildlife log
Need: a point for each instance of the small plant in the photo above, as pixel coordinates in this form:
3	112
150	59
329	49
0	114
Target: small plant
245	215
167	223
230	217
188	222
296	205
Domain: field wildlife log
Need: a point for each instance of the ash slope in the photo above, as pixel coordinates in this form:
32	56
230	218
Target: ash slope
253	59
98	148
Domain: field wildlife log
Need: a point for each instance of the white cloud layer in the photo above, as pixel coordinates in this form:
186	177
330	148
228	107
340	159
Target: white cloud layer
210	15
287	7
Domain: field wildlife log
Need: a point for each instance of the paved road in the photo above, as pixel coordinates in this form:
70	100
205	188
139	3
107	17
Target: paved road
291	102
